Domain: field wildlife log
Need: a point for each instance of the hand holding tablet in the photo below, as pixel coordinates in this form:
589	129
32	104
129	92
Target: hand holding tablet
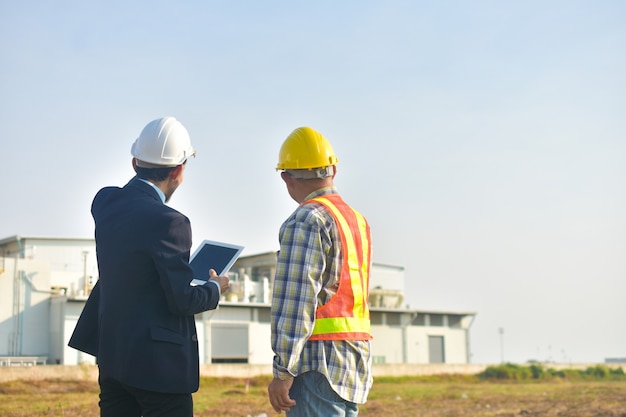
210	254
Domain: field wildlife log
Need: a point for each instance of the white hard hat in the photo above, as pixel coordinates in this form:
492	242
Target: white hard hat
163	142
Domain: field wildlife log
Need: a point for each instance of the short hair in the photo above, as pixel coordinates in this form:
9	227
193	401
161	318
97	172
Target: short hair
154	174
311	174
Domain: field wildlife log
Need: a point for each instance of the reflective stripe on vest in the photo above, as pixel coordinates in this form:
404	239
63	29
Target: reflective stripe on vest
346	315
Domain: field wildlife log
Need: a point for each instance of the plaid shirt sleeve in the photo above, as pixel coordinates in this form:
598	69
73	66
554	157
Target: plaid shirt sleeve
300	266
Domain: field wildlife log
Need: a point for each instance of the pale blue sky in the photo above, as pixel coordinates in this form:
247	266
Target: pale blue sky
485	141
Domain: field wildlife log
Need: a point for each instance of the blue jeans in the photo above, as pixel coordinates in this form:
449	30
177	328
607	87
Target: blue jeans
314	397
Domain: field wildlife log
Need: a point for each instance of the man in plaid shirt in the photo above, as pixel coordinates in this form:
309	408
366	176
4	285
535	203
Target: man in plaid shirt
320	316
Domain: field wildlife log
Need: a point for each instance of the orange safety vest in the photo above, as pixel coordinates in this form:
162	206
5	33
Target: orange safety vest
346	315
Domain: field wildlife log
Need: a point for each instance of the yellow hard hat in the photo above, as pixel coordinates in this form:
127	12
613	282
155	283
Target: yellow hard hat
305	148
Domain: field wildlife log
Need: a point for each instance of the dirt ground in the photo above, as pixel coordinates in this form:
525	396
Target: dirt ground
235	398
576	404
501	399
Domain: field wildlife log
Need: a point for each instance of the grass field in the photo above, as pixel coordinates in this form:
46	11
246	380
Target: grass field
450	396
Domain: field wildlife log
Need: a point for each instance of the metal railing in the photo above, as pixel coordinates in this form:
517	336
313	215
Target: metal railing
22	360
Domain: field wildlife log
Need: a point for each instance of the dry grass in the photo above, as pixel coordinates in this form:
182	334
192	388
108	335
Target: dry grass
390	397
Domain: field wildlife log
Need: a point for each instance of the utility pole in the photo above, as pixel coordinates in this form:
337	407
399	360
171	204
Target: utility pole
85	280
501	331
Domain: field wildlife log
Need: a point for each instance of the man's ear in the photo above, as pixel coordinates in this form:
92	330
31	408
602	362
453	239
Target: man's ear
176	172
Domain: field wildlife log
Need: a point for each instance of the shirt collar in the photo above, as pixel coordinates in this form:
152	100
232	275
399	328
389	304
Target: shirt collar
158	190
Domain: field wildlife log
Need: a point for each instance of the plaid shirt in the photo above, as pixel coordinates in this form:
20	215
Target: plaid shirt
307	275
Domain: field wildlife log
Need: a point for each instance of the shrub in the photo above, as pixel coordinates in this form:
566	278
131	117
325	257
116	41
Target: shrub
537	372
598	371
601	372
506	371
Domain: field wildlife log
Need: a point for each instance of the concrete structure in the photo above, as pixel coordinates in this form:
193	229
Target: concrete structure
37	275
44	283
88	372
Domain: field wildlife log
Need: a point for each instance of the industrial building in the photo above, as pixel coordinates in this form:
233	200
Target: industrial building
45	282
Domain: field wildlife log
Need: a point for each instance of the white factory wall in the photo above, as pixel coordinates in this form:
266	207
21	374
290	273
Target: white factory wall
43	294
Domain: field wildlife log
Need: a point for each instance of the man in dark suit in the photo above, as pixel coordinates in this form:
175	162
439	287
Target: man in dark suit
139	320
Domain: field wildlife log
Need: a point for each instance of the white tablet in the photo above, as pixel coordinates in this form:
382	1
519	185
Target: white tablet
213	255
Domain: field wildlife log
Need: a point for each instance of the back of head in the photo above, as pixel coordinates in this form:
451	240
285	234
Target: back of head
306	153
163	143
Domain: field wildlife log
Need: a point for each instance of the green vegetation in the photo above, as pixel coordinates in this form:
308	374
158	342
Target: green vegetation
510	371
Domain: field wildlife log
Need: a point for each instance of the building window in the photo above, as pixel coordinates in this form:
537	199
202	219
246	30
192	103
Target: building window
378	359
420	320
264	315
376	318
436	319
393	319
454	320
258	273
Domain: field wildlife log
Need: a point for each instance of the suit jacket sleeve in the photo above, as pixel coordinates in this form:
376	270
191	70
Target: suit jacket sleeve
171	258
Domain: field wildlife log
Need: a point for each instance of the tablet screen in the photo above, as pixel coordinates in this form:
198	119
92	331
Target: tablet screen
213	255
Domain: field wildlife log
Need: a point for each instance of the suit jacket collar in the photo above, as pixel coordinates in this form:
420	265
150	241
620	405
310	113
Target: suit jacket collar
144	188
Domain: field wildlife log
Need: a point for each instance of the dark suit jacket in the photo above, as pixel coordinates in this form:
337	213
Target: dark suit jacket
139	319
